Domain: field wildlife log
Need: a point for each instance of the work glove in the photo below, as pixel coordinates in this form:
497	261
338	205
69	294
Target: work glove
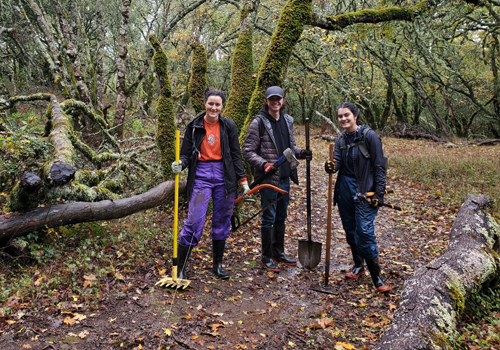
330	167
268	167
177	167
305	154
245	186
376	200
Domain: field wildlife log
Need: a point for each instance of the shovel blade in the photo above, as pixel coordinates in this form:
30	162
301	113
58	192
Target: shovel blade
309	253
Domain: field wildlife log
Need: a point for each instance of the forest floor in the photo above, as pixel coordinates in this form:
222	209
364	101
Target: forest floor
254	309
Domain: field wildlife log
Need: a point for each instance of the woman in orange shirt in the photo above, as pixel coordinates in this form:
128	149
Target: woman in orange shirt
211	152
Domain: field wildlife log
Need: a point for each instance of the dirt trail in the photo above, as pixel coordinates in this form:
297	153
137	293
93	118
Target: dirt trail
256	309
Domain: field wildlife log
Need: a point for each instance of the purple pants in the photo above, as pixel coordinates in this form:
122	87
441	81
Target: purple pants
209	182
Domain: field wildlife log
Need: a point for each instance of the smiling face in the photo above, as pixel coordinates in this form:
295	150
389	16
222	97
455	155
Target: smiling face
274	103
347	120
213	106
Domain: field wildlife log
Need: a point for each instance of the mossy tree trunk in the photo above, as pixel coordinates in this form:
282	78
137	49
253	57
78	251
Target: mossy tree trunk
436	295
198	80
242	82
165	133
294	16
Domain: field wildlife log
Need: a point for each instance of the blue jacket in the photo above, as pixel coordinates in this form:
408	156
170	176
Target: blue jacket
370	172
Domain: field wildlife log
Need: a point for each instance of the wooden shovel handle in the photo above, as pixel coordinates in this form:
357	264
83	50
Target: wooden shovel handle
329	221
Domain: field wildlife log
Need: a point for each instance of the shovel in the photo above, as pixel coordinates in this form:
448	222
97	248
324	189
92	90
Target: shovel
309	251
174	282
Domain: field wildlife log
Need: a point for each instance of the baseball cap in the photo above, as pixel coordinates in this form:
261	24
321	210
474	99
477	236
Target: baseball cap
274	91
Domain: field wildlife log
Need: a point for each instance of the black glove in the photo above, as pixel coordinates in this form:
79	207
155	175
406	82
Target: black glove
376	200
305	154
330	167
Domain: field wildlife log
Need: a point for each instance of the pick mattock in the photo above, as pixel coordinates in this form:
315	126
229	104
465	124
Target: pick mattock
174	282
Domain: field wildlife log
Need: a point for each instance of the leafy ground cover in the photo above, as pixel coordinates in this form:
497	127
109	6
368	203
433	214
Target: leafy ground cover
92	286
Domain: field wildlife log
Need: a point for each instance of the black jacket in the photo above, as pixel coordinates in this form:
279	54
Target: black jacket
230	149
370	172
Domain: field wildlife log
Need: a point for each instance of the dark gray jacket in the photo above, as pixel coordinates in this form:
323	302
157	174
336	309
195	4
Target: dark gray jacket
230	149
258	153
370	172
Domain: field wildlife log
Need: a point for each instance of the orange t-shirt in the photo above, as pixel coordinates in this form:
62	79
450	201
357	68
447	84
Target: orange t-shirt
210	146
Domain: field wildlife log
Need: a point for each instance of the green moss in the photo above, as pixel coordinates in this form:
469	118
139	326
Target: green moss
456	296
242	82
198	80
165	133
294	16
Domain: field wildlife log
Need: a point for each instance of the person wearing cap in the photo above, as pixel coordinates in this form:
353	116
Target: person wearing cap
269	134
211	151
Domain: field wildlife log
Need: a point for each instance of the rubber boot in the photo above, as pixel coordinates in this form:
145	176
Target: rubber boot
279	246
374	268
267	251
183	252
358	269
218	254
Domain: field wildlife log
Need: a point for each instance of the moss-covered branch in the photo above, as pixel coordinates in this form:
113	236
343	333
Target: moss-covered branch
10	103
72	105
198	81
294	16
242	82
165	132
339	22
59	136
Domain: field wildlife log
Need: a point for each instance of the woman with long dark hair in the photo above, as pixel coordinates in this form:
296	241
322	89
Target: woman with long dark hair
359	159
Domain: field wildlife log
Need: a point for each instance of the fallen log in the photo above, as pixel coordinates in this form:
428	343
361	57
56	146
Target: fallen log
434	297
17	224
417	135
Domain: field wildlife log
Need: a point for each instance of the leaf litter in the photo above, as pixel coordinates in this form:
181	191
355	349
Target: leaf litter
255	309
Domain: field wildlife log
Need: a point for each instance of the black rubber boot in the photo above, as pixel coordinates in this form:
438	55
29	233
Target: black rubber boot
267	251
358	269
183	252
218	254
374	268
279	246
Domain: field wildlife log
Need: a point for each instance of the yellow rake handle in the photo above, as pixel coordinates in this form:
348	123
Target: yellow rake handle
176	204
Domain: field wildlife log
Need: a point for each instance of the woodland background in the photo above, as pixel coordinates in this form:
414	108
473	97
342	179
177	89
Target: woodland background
90	93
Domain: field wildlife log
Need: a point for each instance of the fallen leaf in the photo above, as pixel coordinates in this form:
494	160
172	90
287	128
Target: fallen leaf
10	322
392	307
111	320
215	326
69	320
26	346
88	280
83	334
342	346
168	332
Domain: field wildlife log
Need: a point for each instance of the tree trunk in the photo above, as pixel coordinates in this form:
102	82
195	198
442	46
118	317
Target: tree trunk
17	224
242	82
165	133
121	88
198	81
435	296
101	37
420	92
294	16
